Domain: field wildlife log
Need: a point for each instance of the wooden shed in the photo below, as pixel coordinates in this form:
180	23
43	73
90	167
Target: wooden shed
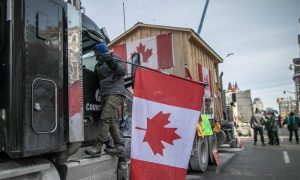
188	50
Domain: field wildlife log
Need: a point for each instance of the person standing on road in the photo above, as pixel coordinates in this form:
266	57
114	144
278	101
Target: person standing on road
256	123
293	124
268	127
111	71
274	130
280	121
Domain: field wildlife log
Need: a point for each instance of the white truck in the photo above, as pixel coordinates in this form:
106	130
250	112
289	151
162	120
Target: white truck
240	111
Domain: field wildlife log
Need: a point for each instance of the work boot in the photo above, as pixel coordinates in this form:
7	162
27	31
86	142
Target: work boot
263	144
117	151
109	146
95	151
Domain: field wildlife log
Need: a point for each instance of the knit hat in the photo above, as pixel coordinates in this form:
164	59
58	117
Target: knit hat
101	48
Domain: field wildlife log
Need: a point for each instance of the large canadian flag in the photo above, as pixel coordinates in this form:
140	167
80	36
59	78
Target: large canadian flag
166	110
157	52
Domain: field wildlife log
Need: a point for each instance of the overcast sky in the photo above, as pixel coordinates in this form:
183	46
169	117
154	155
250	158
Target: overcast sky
262	34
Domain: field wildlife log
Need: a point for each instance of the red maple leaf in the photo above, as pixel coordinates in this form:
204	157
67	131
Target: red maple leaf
156	132
146	54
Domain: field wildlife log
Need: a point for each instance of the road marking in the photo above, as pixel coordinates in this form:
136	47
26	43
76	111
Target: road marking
286	157
281	139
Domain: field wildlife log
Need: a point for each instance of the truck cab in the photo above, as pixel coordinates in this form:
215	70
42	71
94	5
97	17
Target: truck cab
49	94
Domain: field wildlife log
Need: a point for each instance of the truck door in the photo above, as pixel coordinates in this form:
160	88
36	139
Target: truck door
91	94
44	74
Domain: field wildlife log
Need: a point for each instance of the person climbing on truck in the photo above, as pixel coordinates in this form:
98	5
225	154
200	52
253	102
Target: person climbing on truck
111	71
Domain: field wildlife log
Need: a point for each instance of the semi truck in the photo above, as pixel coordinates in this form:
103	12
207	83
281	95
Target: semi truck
49	97
49	94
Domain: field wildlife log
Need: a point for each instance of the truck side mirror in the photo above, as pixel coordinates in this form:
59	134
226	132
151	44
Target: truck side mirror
136	61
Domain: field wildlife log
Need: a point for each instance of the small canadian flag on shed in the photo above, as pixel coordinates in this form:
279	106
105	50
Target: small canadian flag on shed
187	73
205	76
166	110
157	52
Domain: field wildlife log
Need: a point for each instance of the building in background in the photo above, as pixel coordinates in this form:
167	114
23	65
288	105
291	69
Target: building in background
286	105
177	51
257	103
296	76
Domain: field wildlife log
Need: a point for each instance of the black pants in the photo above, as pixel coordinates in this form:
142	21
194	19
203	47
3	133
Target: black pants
275	138
270	136
296	135
261	133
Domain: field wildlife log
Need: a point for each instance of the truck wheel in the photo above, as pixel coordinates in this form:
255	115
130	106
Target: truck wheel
221	138
212	146
199	161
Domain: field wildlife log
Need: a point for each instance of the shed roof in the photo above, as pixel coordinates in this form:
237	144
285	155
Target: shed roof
194	36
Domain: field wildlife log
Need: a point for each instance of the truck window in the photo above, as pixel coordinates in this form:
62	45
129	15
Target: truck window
1	24
88	56
89	60
47	28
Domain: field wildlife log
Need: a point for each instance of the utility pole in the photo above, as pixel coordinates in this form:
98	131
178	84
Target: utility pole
202	18
124	19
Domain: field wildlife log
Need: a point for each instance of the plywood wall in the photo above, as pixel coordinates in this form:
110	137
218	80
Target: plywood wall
187	50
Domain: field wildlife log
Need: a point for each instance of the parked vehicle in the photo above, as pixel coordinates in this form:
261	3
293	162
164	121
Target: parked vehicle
240	111
50	100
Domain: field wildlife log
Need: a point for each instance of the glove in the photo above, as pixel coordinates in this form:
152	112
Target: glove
108	59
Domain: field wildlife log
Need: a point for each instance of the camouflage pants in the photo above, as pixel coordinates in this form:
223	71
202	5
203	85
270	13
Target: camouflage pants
109	119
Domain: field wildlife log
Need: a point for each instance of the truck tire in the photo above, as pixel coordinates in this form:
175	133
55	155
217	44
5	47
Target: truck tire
199	161
221	138
212	146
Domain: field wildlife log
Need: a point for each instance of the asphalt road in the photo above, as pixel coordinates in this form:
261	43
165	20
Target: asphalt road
257	162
